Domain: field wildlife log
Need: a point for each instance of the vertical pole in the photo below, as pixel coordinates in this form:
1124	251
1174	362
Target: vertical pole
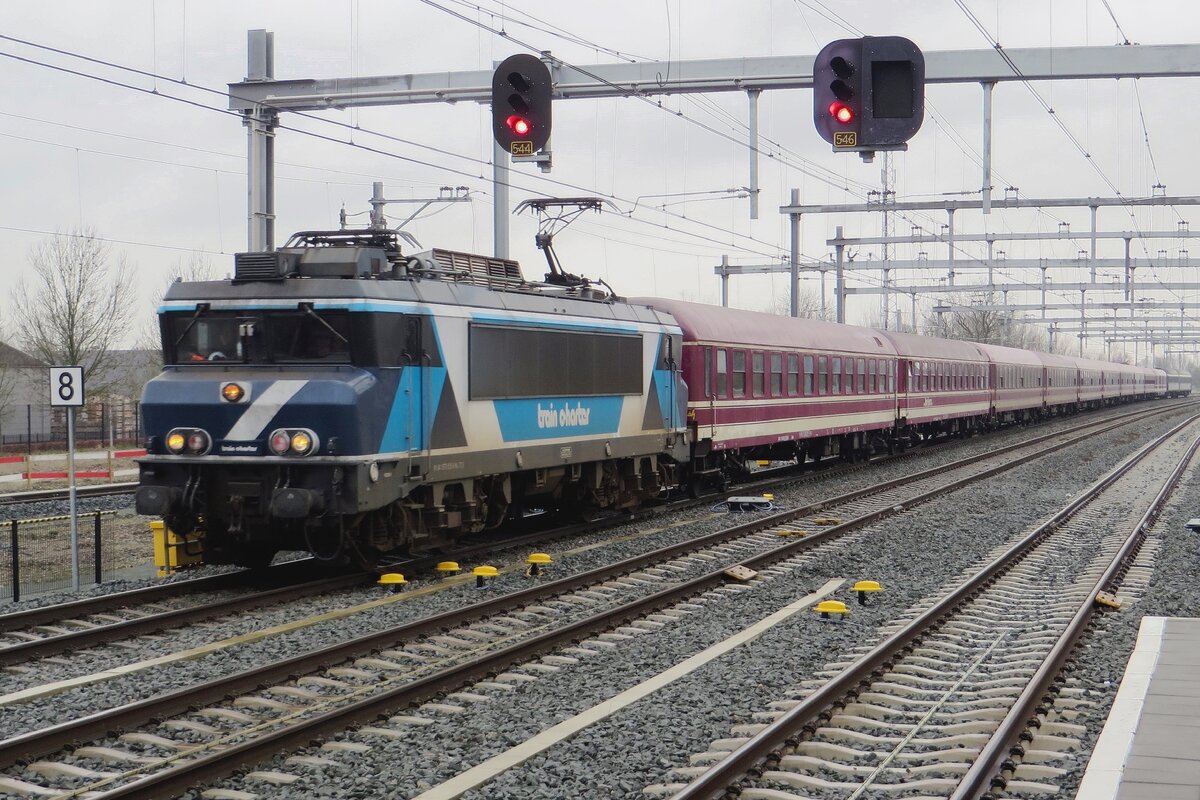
1043	289
794	257
839	286
990	245
16	561
1082	319
887	305
1128	277
752	95
378	221
824	313
28	429
725	281
1092	271
500	194
986	190
950	243
260	131
96	551
74	518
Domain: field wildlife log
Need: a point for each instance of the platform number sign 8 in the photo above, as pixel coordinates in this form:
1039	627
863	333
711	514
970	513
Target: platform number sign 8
66	386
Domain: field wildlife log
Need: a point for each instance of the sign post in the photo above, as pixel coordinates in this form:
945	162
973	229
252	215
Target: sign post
66	391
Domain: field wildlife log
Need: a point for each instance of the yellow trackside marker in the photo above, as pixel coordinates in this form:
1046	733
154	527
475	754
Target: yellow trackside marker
447	568
393	580
864	588
482	574
831	607
828	521
1107	599
537	564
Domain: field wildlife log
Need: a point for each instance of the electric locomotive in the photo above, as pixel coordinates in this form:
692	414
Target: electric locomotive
340	397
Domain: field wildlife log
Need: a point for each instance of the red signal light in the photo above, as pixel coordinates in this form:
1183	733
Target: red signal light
841	112
520	126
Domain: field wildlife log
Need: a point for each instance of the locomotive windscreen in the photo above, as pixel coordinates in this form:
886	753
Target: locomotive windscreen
510	361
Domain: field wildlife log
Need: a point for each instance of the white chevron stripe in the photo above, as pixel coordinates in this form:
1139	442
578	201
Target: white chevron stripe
264	408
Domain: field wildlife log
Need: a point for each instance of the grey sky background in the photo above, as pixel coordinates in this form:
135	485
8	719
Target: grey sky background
165	179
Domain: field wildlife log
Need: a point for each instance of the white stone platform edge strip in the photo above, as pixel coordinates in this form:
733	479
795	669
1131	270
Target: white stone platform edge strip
487	770
1102	779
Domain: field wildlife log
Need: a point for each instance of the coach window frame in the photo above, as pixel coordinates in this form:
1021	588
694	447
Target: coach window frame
739	373
793	374
758	371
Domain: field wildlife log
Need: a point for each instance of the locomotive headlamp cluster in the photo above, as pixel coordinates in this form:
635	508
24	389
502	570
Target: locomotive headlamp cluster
294	441
192	441
232	392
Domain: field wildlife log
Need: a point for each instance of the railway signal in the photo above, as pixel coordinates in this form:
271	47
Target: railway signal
869	93
521	101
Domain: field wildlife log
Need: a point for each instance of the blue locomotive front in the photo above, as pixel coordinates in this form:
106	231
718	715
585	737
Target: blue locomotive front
337	398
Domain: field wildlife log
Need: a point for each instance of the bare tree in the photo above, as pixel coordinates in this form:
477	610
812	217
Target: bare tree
198	267
77	306
808	304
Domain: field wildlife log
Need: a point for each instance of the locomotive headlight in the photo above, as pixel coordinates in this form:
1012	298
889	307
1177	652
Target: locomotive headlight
232	392
280	442
176	441
198	442
302	443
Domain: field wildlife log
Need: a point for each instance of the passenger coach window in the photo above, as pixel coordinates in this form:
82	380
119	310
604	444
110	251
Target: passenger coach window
808	375
758	375
861	386
837	376
722	373
823	374
793	374
739	373
872	384
776	374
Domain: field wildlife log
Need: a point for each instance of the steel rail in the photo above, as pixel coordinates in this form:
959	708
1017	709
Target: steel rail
89	637
727	776
147	594
987	770
92	490
174	780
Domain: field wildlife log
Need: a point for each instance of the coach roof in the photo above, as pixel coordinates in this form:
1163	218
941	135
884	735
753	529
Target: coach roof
705	323
909	345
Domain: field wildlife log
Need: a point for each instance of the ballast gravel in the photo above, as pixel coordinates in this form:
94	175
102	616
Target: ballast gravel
1172	591
913	555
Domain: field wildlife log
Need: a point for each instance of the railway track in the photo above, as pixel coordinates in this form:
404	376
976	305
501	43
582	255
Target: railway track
52	630
40	495
966	697
395	668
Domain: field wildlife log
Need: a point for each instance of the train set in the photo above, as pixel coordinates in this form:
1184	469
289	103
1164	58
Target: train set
340	397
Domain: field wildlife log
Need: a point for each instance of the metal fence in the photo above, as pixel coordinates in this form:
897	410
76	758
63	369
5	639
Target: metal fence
32	427
35	554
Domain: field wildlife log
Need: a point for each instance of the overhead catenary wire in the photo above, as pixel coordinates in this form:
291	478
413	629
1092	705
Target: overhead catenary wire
368	148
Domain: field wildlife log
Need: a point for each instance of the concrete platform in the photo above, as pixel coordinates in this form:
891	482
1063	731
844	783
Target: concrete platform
1150	746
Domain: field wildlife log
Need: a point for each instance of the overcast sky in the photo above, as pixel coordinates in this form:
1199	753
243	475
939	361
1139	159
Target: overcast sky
166	180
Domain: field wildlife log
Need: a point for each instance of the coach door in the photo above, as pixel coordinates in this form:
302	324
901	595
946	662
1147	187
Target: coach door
415	384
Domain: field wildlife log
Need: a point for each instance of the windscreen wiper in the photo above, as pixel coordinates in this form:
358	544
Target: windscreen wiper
308	311
201	309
